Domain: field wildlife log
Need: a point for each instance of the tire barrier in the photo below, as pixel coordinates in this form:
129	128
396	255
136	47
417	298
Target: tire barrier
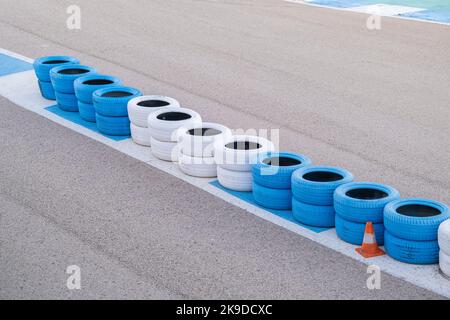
272	176
412	225
63	78
235	158
164	126
196	156
444	237
139	109
363	202
353	232
444	263
42	67
85	87
313	189
111	111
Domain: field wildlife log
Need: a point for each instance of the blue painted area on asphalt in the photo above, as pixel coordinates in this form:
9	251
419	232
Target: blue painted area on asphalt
10	65
248	197
75	118
431	15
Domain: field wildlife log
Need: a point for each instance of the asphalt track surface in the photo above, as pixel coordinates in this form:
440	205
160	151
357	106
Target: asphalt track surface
373	102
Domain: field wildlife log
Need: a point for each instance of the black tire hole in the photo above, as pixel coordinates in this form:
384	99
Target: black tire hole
366	194
73	71
243	145
55	62
322	176
418	210
153	103
174	116
204	132
117	94
282	161
98	82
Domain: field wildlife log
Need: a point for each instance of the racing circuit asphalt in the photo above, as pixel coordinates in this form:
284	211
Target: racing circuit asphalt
374	102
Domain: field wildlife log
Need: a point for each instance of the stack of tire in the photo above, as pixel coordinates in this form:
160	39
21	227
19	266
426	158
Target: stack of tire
313	194
272	175
164	126
42	67
139	109
444	245
196	154
63	78
111	109
235	158
357	203
412	230
84	89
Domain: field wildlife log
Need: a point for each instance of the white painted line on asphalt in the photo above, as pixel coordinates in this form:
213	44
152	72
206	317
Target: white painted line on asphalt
21	89
385	9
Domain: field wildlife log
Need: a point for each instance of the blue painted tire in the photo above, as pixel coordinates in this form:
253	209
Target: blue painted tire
363	201
278	199
63	77
113	102
311	215
87	111
353	232
43	65
85	86
408	251
277	175
316	184
113	126
67	101
415	219
46	89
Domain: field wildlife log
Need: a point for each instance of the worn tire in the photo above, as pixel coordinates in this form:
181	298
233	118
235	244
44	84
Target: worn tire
409	251
197	166
235	180
140	135
274	169
278	199
353	232
43	65
444	263
313	215
63	77
363	201
47	90
415	219
87	111
140	108
85	86
198	140
113	126
113	101
316	184
165	150
165	123
240	152
444	236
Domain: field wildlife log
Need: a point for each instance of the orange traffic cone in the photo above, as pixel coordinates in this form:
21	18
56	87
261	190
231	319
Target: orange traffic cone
369	247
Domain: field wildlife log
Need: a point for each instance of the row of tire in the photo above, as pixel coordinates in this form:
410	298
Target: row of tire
318	196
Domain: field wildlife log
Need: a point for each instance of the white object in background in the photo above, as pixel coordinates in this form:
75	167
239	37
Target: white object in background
140	108
444	237
444	263
164	124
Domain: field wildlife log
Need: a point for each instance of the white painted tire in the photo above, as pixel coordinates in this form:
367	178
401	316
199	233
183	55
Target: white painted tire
444	263
165	123
235	180
444	237
163	150
197	167
140	135
198	141
140	108
239	159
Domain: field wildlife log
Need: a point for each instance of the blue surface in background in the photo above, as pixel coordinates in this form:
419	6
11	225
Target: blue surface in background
248	197
429	15
75	118
9	65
